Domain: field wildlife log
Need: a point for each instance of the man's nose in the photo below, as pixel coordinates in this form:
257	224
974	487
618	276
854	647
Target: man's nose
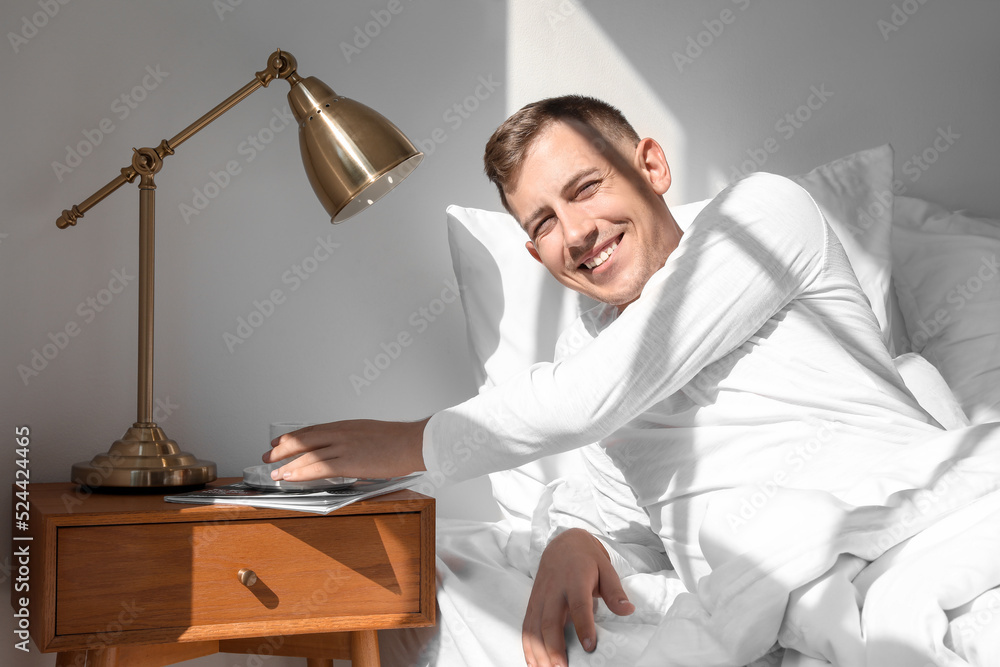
579	231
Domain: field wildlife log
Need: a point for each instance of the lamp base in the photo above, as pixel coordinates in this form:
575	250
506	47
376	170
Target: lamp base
144	458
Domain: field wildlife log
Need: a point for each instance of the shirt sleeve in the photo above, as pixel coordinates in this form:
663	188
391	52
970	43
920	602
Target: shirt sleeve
753	249
627	535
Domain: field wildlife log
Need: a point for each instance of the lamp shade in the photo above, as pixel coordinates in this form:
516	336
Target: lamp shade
352	154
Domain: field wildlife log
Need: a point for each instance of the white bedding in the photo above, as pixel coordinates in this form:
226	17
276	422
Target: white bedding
919	613
481	600
484	579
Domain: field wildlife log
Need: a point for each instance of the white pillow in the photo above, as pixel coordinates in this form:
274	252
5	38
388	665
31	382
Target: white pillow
946	278
515	310
514	313
855	195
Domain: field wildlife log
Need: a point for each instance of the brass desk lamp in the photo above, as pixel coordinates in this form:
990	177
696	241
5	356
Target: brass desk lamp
352	155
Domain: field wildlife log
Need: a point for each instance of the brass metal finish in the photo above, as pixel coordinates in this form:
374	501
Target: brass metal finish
352	156
279	66
143	458
247	577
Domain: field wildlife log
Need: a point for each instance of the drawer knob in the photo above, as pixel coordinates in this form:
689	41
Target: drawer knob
247	577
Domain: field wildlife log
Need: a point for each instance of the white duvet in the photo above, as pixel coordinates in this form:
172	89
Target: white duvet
933	599
933	554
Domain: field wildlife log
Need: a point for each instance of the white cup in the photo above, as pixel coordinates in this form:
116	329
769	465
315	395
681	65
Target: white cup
260	475
281	428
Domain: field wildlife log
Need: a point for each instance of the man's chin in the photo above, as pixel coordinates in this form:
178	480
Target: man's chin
620	296
609	296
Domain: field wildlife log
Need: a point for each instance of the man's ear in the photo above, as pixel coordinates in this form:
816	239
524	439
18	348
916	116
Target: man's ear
531	251
652	163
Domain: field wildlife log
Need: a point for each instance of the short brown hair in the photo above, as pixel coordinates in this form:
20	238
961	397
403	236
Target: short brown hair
509	145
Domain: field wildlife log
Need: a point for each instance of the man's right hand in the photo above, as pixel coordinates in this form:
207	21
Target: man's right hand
574	569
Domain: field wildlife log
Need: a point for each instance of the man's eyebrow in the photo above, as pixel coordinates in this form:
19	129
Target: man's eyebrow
570	184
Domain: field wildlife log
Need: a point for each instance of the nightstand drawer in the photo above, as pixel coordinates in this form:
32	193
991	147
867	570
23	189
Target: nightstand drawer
182	575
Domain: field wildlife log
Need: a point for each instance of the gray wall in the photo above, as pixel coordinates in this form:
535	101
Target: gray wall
713	80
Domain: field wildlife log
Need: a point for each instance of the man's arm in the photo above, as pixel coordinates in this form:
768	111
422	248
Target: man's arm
748	254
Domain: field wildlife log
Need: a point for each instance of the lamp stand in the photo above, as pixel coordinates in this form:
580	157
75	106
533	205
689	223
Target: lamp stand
144	456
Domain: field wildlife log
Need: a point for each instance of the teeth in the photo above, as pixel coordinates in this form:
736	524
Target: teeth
603	257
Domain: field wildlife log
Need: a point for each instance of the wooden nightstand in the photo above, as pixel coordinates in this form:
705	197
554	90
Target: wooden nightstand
132	580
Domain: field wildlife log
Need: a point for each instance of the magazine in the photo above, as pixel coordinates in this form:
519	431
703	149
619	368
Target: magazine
318	502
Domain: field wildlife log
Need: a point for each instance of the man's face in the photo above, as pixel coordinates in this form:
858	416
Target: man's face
596	220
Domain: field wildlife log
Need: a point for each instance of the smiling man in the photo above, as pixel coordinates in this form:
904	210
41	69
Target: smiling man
714	356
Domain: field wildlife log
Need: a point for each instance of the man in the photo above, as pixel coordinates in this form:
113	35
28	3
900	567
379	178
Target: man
716	354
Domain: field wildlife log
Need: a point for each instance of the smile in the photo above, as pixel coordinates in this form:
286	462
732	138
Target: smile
602	256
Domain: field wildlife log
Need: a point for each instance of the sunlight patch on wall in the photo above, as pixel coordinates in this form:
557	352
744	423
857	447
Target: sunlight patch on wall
554	47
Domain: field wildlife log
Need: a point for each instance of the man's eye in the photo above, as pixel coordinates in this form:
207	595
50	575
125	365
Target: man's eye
588	188
543	226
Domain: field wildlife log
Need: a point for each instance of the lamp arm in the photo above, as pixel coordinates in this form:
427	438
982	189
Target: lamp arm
280	65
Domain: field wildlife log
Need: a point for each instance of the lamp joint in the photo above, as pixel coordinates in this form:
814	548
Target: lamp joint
146	161
280	65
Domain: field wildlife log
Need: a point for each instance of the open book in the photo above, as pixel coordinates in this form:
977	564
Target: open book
318	502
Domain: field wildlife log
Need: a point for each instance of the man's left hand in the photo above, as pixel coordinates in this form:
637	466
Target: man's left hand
362	448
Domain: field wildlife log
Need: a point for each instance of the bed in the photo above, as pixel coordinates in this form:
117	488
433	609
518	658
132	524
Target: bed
931	278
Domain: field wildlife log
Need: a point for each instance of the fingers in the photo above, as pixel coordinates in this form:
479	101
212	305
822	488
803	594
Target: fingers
581	611
611	591
296	442
300	472
318	464
542	634
352	448
313	451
